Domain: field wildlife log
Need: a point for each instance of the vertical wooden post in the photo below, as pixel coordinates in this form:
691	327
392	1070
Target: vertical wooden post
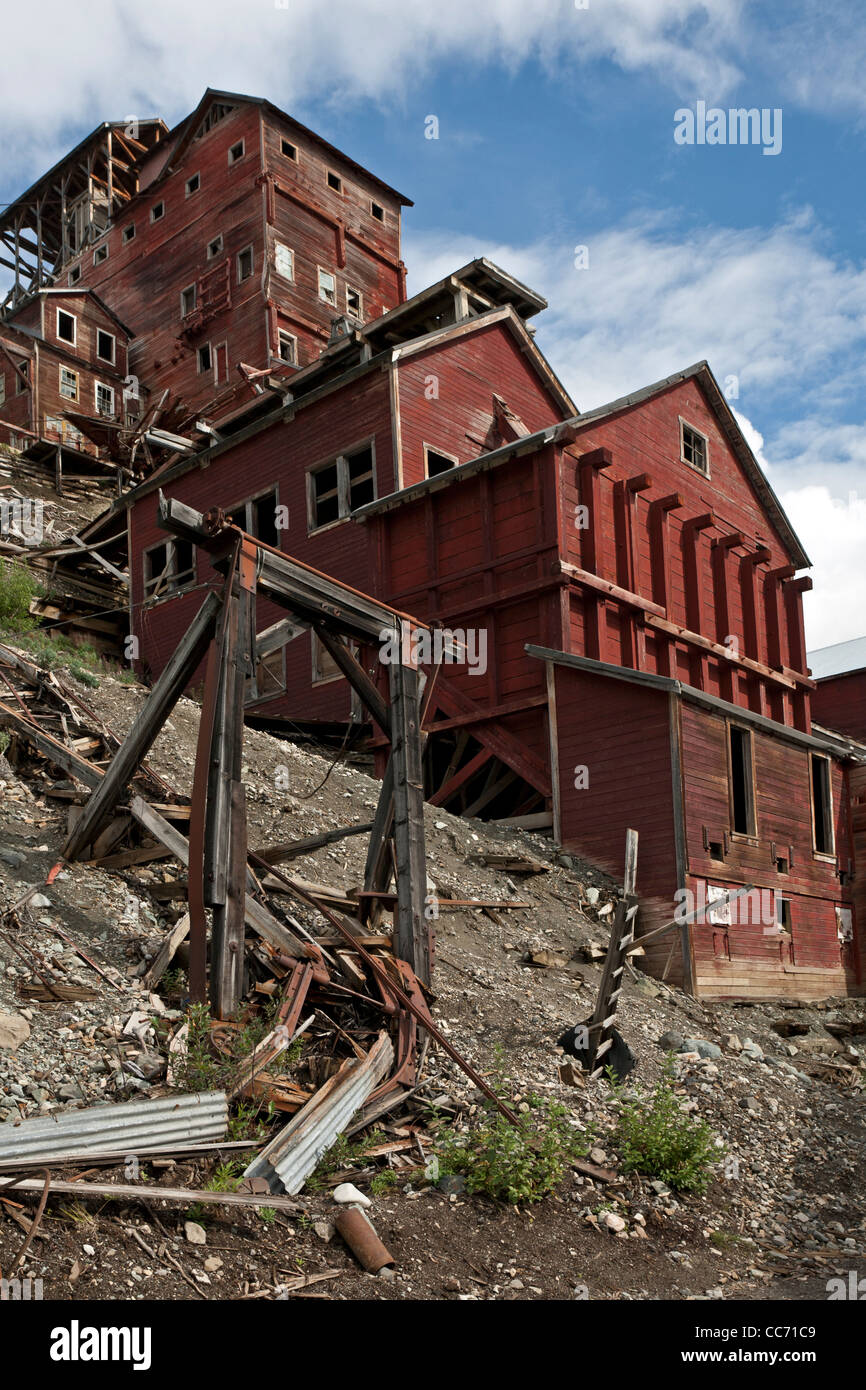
412	935
693	576
721	552
660	561
590	468
751	620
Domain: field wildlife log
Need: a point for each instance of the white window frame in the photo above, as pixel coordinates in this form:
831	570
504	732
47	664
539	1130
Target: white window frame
100	253
214	247
191	192
113	340
280	246
128	233
103	386
331	276
73	341
282	335
64	395
434	449
158	216
236	158
242	279
826	855
686	425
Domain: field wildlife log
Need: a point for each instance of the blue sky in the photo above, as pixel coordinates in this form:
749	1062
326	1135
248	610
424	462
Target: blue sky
556	130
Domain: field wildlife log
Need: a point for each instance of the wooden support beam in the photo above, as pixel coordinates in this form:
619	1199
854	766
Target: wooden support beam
411	929
694	586
146	727
720	553
452	784
357	677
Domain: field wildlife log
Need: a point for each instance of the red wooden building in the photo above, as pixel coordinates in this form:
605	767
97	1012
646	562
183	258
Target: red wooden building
618	592
63	365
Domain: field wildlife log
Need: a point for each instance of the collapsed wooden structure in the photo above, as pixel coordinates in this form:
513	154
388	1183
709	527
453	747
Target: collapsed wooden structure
219	875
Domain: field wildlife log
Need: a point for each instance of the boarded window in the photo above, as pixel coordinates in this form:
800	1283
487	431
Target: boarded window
65	326
742	781
284	260
822	804
327	287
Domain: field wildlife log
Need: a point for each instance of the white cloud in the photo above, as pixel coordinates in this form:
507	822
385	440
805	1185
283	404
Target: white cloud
115	57
768	306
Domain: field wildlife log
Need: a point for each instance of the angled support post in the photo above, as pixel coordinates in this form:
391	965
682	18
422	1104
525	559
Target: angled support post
148	723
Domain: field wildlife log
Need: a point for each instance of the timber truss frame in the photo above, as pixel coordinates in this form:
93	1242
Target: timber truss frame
220	875
71	206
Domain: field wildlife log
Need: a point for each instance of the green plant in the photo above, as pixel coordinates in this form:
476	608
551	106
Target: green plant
174	982
227	1177
266	1214
18	588
342	1154
251	1120
654	1136
515	1163
383	1182
5	740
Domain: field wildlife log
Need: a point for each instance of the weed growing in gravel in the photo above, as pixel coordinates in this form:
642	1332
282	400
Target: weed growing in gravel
655	1137
516	1164
266	1214
227	1177
342	1154
383	1182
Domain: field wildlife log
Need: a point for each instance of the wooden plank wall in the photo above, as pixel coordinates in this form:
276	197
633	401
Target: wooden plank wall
840	703
621	734
746	960
646	439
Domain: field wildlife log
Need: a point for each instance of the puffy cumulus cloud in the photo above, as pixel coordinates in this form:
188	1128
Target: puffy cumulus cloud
833	531
768	308
777	317
113	57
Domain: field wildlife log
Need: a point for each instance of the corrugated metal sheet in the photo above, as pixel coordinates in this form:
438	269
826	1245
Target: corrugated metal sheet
288	1160
838	659
139	1127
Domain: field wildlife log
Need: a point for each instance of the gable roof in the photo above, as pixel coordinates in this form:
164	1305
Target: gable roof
185	133
568	430
67	291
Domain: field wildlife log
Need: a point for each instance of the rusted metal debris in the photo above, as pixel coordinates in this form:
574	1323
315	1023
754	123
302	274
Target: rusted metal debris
366	1000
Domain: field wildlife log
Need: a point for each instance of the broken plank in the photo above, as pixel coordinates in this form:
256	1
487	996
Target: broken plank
164	955
148	1192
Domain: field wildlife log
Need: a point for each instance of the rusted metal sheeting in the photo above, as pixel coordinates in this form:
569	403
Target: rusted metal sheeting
288	1160
139	1127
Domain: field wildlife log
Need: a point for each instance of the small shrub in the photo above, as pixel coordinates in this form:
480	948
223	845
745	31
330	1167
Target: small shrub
516	1164
383	1182
657	1138
227	1177
266	1214
18	588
